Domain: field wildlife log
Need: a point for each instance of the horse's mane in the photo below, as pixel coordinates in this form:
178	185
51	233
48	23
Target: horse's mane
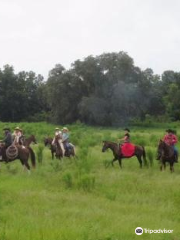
109	142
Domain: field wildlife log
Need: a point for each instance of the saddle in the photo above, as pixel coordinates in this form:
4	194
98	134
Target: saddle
127	149
12	152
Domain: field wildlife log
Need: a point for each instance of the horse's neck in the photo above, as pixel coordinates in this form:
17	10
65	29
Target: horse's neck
28	141
57	143
113	147
168	149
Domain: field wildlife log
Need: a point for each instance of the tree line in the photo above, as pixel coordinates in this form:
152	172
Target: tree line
106	90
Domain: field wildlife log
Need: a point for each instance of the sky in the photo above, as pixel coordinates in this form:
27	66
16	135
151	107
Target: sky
37	34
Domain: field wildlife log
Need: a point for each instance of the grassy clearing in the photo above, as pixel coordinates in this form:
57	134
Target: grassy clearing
86	198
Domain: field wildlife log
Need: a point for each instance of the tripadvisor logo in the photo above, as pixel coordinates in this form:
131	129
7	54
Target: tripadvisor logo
139	231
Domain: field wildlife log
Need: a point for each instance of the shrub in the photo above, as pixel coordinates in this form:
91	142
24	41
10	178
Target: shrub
86	182
67	179
40	153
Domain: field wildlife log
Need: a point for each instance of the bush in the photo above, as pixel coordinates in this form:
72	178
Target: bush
40	153
86	182
150	156
67	179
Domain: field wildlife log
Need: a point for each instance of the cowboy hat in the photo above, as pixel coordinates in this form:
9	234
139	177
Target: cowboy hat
65	128
17	128
169	131
127	129
6	129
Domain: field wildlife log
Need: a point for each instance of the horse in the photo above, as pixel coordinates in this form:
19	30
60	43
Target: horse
57	150
69	151
139	152
28	141
23	154
48	141
166	154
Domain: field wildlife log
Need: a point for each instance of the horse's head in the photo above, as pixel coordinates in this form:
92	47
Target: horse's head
33	139
105	146
161	145
46	142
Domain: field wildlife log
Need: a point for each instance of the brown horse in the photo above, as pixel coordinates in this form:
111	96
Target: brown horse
139	152
23	156
48	142
166	154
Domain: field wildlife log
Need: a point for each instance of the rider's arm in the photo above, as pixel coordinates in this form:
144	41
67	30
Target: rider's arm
175	139
65	137
165	138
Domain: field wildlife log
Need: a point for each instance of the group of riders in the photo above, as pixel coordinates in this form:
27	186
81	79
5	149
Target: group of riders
62	136
17	138
170	138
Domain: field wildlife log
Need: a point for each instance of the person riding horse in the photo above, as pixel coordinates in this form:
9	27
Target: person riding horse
65	138
8	137
17	135
126	148
126	138
171	139
58	137
8	140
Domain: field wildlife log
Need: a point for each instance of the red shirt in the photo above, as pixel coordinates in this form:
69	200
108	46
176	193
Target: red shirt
170	139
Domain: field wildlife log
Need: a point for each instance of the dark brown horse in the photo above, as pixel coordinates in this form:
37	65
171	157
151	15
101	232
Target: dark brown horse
48	142
166	154
139	153
23	156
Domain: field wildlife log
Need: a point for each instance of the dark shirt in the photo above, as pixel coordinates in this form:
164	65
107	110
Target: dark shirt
8	139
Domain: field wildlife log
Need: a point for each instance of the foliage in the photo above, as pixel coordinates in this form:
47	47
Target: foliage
103	90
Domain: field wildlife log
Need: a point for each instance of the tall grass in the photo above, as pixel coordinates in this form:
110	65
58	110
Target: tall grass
86	198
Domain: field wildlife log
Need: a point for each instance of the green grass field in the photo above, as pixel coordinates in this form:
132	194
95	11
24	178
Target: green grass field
86	198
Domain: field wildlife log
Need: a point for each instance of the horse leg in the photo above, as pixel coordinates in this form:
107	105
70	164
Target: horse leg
52	153
114	159
161	167
164	166
120	162
171	167
140	161
27	165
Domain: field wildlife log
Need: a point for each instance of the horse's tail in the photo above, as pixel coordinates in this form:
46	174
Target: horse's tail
144	156
33	157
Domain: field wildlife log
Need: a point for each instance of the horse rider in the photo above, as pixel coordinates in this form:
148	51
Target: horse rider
17	135
8	137
126	138
65	138
171	139
22	137
8	140
58	136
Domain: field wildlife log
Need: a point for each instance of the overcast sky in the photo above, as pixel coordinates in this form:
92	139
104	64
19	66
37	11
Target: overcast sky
37	34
